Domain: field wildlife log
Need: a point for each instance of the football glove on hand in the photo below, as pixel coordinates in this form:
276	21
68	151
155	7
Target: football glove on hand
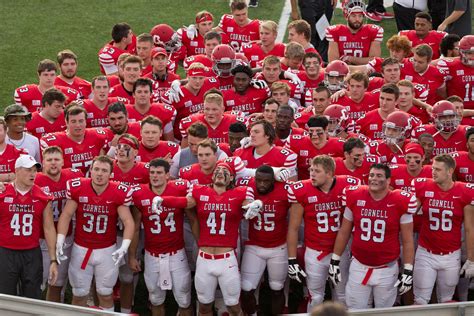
405	280
191	31
334	269
259	84
245	142
253	208
281	174
60	248
292	77
295	272
467	270
175	93
156	205
118	254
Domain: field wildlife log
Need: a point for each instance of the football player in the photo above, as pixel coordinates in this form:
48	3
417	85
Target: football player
131	72
356	161
123	41
465	159
8	156
51	117
67	62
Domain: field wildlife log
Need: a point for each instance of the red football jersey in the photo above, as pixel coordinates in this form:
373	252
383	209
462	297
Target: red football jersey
361	173
83	86
161	84
97	117
249	102
433	39
358	44
237	34
309	84
464	166
276	157
8	158
194	46
455	142
219	215
38	126
132	128
21	217
164	232
96	215
322	211
137	175
119	91
371	125
77	155
358	109
254	52
459	78
30	96
164	148
201	58
306	151
293	131
268	229
195	175
384	152
113	80
402	180
166	113
443	214
375	236
108	55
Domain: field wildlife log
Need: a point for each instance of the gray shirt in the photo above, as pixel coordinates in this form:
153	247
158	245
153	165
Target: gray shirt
463	26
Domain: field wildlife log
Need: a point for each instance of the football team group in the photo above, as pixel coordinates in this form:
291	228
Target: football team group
342	173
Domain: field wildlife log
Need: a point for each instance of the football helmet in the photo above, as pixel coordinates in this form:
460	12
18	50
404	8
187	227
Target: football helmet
223	58
241	59
445	116
396	128
466	45
165	36
334	75
353	6
338	117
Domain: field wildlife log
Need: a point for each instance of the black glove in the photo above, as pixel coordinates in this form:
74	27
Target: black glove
334	269
405	280
295	272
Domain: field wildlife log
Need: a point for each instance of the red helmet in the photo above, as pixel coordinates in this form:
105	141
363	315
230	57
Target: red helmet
165	36
352	6
466	45
338	117
397	127
336	68
445	116
223	57
241	59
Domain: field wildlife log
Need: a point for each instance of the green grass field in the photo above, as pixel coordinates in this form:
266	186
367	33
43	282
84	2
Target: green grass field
34	30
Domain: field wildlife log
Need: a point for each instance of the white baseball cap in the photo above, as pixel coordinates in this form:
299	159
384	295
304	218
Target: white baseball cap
26	161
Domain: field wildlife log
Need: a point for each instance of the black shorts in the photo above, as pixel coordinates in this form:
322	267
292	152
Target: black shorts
24	267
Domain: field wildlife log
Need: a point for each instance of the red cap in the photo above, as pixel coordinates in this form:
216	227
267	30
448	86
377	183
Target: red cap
158	51
414	148
204	18
127	141
227	166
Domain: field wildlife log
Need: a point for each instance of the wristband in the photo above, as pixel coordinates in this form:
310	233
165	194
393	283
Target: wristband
52	261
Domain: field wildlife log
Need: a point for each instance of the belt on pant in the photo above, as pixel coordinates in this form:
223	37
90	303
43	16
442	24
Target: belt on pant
369	272
158	254
439	253
209	256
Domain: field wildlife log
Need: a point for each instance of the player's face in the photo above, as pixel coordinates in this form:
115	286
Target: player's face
441	173
422	27
142	95
159	63
125	153
391	73
196	82
52	164
144	50
101	90
257	136
321	101
16	123
356	89
391	133
413	161
209	46
129	38
281	96
207	159
213	112
100	173
69	68
318	135
335	81
241	82
3	133
158	176
240	16
455	51
355	157
428	145
420	64
377	180
131	72
318	175
117	122
284	118
387	102
204	27
470	144
295	63
234	140
26	176
267	37
312	66
355	20
269	113
221	177
46	78
55	109
264	182
193	143
406	96
271	72
76	125
151	135
459	107
293	36
397	54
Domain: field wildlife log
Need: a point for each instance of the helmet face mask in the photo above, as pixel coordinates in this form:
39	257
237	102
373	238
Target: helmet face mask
396	128
445	117
338	119
353	6
466	47
224	60
334	75
166	37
